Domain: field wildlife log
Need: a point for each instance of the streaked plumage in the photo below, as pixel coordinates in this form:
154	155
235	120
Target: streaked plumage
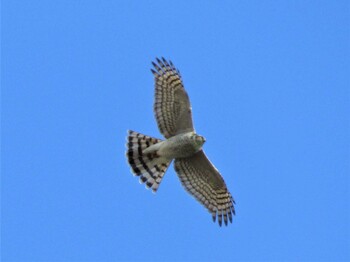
149	157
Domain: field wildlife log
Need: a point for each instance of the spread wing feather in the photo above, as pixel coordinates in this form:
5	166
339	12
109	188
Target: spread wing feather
202	180
172	106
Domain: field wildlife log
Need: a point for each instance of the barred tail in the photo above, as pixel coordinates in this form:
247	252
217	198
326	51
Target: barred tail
150	168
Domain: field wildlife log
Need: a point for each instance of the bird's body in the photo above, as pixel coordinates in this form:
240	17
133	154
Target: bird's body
150	157
178	146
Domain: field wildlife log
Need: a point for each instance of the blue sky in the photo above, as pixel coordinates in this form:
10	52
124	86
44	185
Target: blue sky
269	86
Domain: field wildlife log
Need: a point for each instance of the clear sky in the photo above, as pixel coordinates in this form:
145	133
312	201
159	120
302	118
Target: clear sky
269	86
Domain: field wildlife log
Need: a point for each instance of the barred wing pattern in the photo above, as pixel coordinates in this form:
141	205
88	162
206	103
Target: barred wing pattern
172	106
202	180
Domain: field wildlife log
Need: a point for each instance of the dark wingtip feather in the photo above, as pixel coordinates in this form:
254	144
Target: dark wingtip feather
230	216
166	64
220	218
225	219
156	67
158	60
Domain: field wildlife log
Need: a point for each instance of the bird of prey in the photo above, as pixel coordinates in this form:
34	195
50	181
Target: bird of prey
150	157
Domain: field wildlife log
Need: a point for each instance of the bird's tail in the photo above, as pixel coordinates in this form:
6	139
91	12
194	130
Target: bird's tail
149	167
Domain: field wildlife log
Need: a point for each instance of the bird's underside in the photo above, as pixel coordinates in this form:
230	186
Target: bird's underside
150	157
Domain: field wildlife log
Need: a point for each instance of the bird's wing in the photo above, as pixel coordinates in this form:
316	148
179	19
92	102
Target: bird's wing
172	106
202	180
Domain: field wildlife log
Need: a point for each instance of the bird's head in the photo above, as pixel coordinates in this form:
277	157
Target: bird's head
199	140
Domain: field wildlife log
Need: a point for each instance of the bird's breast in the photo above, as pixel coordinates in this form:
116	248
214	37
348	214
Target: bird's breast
179	146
